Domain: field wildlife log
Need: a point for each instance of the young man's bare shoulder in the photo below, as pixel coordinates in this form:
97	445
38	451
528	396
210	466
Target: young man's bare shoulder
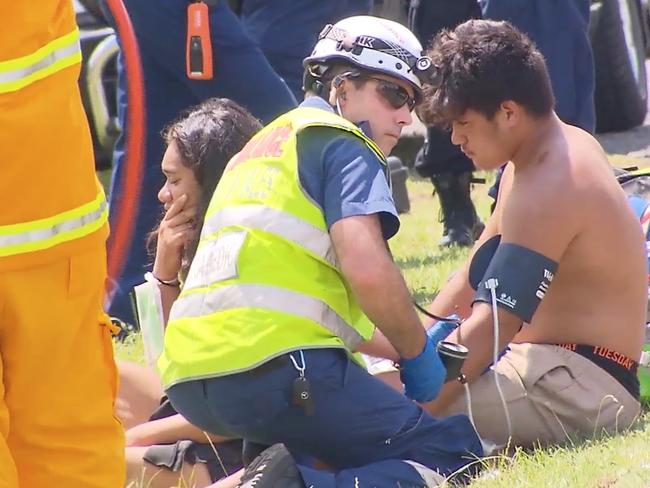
572	169
592	175
546	196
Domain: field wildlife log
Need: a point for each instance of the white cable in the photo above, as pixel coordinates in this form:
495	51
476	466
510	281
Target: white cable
469	404
492	284
338	107
489	447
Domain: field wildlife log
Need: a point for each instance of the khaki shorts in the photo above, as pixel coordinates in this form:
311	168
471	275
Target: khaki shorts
552	394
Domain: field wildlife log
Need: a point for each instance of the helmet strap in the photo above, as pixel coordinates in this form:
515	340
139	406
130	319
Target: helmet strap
311	82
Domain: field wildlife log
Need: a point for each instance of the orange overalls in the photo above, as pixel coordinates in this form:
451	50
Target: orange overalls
57	373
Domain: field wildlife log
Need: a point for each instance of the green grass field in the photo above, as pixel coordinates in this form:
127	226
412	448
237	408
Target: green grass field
619	461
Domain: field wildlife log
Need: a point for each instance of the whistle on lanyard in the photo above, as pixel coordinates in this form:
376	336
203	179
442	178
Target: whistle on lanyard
198	56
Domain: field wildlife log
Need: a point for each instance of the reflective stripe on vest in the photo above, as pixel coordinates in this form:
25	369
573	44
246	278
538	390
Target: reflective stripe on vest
45	233
54	56
281	223
267	297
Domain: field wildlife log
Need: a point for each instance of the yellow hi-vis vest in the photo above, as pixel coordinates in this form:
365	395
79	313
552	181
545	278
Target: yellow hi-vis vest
264	280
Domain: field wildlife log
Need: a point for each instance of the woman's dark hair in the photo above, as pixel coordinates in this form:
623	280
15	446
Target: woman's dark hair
480	64
207	136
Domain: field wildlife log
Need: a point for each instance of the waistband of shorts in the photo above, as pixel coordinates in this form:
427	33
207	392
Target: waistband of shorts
621	367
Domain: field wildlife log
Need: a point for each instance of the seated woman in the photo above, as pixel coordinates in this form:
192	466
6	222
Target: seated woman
163	449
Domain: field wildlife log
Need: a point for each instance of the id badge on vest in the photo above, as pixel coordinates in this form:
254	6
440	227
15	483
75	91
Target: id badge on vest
216	260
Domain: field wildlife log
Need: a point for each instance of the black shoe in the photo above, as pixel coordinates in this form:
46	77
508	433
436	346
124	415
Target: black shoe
462	225
274	468
461	232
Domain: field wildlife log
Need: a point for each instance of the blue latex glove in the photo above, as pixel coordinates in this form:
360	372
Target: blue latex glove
423	375
441	329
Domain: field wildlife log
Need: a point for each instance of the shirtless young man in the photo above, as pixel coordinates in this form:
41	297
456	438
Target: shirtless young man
571	345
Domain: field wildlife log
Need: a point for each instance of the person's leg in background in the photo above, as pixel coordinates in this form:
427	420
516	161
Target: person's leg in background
450	172
240	72
59	376
287	30
139	394
449	169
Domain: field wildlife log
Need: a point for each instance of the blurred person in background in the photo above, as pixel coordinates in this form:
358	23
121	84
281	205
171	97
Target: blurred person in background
449	169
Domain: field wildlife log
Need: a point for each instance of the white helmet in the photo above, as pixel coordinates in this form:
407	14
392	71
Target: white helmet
374	44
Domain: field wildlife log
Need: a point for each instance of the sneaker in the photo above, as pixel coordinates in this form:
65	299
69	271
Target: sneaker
274	468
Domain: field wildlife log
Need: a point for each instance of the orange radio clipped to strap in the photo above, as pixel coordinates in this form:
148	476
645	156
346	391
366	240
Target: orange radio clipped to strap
198	56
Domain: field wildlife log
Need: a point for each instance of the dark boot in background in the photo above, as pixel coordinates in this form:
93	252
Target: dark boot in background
462	225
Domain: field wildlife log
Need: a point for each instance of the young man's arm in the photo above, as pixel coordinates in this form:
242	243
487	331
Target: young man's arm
545	229
477	334
457	295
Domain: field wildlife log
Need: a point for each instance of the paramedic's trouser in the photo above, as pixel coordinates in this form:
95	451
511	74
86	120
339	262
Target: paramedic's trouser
58	378
552	393
360	427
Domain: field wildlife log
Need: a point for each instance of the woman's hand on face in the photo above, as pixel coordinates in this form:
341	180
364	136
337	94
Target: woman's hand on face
174	232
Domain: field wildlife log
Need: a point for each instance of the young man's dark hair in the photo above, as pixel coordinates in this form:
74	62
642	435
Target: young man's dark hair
481	64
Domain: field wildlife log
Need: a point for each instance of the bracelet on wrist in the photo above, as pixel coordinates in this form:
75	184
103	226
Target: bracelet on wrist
149	276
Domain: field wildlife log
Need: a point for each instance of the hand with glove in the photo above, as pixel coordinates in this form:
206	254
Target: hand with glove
441	329
423	375
452	355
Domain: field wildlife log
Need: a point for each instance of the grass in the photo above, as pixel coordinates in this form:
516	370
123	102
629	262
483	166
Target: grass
425	266
615	461
618	461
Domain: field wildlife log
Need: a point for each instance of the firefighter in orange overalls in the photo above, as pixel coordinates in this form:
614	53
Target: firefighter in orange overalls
57	373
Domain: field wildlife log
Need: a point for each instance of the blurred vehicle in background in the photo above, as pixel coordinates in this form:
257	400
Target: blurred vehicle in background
98	80
620	39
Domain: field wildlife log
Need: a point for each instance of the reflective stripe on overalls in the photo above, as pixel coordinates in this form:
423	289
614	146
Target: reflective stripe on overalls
54	56
45	233
85	219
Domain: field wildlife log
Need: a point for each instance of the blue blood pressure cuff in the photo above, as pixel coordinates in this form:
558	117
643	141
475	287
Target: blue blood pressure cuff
520	278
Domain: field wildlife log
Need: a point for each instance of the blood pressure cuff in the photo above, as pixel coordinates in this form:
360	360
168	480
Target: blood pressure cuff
521	278
481	260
